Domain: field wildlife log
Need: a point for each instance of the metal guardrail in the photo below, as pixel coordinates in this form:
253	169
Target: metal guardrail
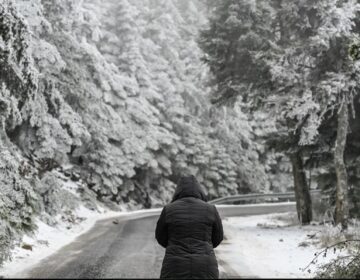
254	196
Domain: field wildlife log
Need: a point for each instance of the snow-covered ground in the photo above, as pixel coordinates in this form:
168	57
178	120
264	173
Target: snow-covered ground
269	246
47	240
264	246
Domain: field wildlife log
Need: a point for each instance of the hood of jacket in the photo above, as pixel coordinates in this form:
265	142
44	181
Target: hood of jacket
188	186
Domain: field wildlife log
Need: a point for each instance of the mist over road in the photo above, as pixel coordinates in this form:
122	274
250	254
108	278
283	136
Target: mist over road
127	249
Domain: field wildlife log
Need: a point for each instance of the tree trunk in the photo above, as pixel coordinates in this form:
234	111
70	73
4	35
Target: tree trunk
341	207
302	193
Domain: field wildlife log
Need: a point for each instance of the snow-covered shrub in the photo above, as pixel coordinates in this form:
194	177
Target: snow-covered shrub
55	199
17	199
346	246
341	268
345	266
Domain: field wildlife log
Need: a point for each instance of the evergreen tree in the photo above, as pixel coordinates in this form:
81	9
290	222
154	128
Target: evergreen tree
281	61
114	96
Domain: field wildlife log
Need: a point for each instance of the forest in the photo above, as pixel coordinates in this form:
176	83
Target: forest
123	97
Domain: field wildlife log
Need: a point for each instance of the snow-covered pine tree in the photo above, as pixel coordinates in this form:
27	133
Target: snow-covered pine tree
321	74
18	85
120	102
300	51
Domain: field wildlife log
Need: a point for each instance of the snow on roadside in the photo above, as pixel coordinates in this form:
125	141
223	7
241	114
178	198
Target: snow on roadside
267	246
47	240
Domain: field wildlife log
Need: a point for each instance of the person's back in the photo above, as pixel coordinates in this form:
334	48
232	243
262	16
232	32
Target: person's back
189	229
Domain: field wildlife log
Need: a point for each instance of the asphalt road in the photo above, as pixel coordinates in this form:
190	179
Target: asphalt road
127	249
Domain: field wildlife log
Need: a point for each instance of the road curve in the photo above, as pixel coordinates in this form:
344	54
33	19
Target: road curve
127	249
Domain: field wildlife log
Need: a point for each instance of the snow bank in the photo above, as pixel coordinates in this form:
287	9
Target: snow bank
265	246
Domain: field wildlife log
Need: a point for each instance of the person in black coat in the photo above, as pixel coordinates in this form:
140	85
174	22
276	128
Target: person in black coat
189	228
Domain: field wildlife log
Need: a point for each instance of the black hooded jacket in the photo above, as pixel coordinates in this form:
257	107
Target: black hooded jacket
189	229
